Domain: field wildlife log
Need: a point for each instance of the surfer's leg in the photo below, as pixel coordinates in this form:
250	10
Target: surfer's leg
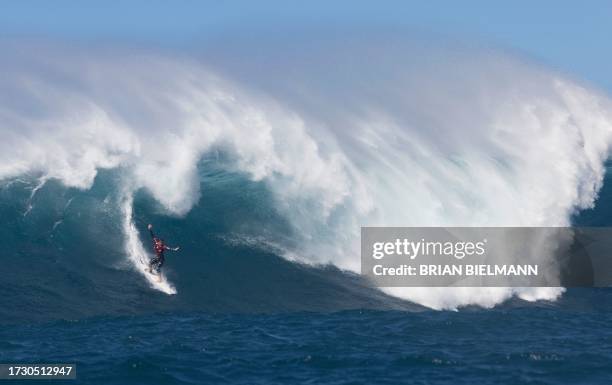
158	267
153	265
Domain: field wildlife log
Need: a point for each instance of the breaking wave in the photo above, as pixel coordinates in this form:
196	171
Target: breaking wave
292	151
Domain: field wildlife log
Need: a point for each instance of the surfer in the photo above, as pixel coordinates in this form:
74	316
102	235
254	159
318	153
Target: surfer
160	247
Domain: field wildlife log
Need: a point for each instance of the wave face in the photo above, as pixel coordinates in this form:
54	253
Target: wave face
244	156
68	254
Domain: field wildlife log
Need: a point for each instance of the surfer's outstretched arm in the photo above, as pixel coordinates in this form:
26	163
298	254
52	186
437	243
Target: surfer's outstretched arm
150	227
172	248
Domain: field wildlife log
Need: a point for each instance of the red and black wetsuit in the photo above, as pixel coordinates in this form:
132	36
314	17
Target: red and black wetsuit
159	247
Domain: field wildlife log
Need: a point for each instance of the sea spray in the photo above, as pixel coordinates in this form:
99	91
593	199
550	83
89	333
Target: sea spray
488	140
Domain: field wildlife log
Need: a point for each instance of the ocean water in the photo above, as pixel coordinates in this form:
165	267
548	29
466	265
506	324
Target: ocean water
565	342
271	321
263	177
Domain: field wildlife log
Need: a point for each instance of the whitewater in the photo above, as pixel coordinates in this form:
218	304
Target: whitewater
379	134
137	254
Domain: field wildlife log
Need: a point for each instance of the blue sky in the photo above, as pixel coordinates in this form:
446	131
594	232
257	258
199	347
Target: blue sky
573	36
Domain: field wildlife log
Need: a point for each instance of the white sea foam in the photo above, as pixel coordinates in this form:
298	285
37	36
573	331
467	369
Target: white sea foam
342	140
136	252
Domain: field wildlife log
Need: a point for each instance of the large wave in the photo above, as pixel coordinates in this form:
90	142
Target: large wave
342	134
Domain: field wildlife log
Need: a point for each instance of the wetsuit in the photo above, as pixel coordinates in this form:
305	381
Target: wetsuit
158	261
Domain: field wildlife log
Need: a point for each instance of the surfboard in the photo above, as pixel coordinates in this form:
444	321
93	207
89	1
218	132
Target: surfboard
157	276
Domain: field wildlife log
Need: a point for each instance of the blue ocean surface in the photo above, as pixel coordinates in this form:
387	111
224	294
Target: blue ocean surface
560	343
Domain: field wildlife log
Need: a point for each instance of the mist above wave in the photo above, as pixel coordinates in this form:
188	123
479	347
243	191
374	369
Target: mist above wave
344	135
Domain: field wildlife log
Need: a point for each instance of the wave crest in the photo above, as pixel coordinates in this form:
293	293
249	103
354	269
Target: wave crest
402	137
